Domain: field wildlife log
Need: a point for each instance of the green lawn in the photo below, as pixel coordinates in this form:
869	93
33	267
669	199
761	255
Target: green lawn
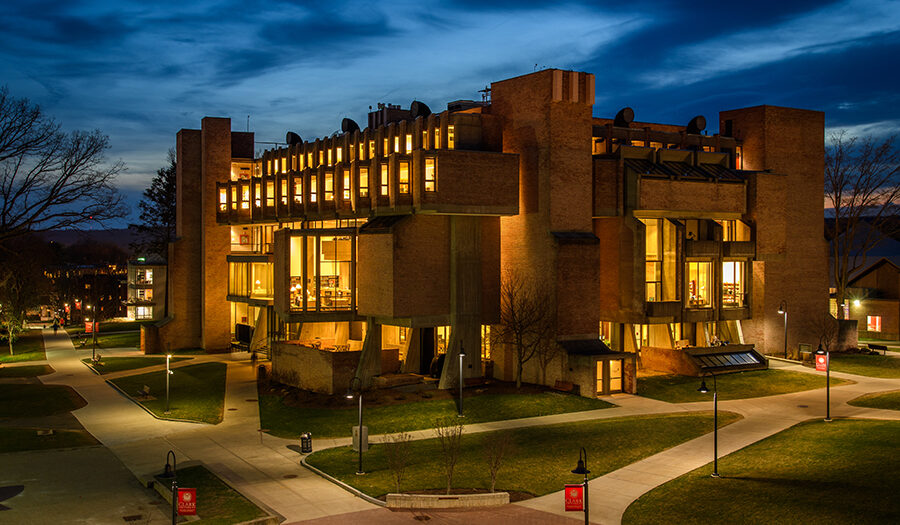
540	461
29	347
34	400
114	340
741	385
866	365
290	422
845	471
108	365
885	400
197	392
217	503
22	439
26	371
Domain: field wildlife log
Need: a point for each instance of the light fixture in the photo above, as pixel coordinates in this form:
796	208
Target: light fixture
856	303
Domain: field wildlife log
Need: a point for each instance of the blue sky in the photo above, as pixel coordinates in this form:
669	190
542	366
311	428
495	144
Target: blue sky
140	71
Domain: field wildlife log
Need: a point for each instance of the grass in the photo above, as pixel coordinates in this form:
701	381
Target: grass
29	347
23	439
108	326
540	461
866	365
741	385
845	471
217	503
290	422
26	371
109	365
35	400
114	340
885	400
197	392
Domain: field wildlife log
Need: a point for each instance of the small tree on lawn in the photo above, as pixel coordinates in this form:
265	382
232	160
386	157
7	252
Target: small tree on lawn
449	434
497	445
826	327
526	323
546	352
399	455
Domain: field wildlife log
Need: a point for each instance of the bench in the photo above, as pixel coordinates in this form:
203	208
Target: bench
877	347
565	386
144	392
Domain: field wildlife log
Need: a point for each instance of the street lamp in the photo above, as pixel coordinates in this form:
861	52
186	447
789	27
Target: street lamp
171	472
827	381
704	390
582	469
169	372
782	309
462	356
359	445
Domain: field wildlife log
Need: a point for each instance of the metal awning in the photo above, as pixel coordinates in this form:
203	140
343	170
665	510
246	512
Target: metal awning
728	358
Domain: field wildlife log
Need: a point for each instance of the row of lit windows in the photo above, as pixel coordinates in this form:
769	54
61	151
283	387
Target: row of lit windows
335	155
383	185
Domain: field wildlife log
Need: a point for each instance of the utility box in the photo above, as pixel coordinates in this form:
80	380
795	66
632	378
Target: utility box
305	443
365	438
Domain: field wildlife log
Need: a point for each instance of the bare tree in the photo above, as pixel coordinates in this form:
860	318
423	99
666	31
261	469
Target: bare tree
497	445
51	180
862	184
449	434
546	352
399	455
526	323
826	327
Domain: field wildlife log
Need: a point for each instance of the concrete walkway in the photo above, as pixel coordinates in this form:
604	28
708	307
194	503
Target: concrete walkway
266	471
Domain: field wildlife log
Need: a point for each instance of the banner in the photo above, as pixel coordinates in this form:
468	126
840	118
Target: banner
575	497
187	502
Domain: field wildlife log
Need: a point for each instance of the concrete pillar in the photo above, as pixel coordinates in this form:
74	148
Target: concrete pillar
465	300
370	358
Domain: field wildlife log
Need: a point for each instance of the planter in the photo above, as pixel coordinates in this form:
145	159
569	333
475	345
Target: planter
446	501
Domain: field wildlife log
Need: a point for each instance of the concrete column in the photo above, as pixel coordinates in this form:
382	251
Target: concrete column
465	300
370	358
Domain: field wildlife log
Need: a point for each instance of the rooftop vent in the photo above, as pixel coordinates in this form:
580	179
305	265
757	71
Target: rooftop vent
419	109
696	125
349	125
624	117
292	138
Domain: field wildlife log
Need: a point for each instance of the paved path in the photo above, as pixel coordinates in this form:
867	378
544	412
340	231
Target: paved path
266	471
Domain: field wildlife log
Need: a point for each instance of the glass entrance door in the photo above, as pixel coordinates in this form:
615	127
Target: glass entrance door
615	375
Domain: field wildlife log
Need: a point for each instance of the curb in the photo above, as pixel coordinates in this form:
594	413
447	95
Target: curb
343	485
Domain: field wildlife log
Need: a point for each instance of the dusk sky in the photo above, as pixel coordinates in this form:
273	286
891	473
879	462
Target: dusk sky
140	71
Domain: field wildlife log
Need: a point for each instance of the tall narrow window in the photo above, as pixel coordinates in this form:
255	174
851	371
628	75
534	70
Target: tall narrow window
653	260
270	193
298	190
245	197
404	177
329	186
385	147
437	138
223	199
309	160
257	195
424	139
363	181
339	154
284	166
294	163
313	188
362	151
234	199
329	157
269	167
384	180
430	175
699	279
451	137
408	142
346	182
371	149
396	143
733	283
284	192
301	158
321	157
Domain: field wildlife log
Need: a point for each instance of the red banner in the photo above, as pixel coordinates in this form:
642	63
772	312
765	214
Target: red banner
187	502
89	326
574	497
821	362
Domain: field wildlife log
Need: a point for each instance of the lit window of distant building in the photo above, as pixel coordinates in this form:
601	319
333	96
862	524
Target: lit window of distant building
430	175
404	177
873	323
363	181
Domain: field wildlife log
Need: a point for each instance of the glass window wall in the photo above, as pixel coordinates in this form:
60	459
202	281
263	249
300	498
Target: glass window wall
321	273
733	283
699	289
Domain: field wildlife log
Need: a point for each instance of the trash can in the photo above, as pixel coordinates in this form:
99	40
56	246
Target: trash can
305	443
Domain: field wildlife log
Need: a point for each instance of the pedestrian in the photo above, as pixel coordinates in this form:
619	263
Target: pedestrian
55	326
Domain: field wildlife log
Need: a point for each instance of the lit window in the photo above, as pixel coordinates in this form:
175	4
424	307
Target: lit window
329	186
309	160
284	165
404	177
257	195
223	199
298	190
396	144
339	154
329	157
234	197
293	162
384	180
321	157
284	186
437	138
699	288
363	181
362	151
371	149
270	193
451	137
739	158
300	158
424	139
733	283
346	189
245	197
313	188
873	323
430	175
269	166
385	149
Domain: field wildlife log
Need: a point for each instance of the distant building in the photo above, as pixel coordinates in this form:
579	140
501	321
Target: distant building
376	251
146	289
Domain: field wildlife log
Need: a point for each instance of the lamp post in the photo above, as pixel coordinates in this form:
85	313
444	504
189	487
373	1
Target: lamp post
171	472
582	469
169	372
782	309
462	356
704	390
827	382
359	444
